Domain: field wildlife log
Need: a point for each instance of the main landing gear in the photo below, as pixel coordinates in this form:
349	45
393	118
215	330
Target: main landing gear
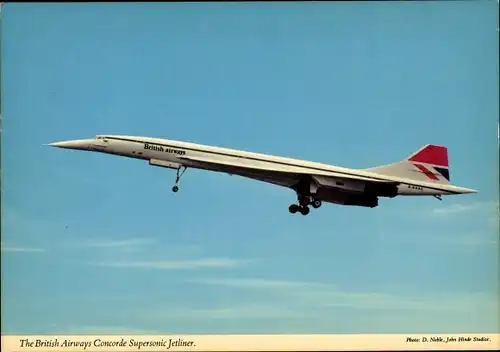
178	178
303	206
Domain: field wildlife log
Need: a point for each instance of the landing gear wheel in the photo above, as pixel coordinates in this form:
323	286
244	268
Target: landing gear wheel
304	210
316	204
293	208
175	189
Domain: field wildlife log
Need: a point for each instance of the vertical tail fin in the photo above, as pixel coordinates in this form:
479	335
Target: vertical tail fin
429	163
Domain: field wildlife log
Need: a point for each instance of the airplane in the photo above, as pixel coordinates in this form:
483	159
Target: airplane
423	173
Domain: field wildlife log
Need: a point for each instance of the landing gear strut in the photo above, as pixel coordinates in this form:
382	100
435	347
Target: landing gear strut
178	178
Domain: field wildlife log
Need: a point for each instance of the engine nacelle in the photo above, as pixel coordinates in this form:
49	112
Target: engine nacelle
362	200
381	190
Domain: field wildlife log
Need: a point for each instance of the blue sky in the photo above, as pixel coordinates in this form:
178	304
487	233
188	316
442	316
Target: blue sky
93	243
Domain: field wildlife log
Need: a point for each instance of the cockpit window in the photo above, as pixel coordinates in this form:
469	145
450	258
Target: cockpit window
103	138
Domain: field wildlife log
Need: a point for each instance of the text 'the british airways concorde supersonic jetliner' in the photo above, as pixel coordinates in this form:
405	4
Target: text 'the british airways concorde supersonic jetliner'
424	173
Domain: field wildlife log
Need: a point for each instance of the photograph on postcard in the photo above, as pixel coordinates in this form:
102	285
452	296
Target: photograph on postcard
319	168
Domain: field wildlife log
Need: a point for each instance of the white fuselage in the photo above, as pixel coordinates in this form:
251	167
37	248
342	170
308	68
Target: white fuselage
176	153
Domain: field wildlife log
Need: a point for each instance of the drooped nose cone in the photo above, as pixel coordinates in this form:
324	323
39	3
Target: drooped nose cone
81	144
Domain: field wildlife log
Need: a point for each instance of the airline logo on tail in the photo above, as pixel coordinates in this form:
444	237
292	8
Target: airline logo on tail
432	161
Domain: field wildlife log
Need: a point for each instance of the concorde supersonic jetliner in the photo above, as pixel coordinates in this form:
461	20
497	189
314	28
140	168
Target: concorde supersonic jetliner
424	173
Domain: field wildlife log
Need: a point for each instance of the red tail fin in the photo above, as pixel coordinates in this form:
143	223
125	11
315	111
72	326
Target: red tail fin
436	155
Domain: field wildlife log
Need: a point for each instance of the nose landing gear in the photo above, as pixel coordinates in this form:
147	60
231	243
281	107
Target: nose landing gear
175	189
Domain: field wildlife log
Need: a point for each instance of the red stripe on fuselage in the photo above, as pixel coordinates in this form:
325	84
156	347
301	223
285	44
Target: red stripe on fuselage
426	171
